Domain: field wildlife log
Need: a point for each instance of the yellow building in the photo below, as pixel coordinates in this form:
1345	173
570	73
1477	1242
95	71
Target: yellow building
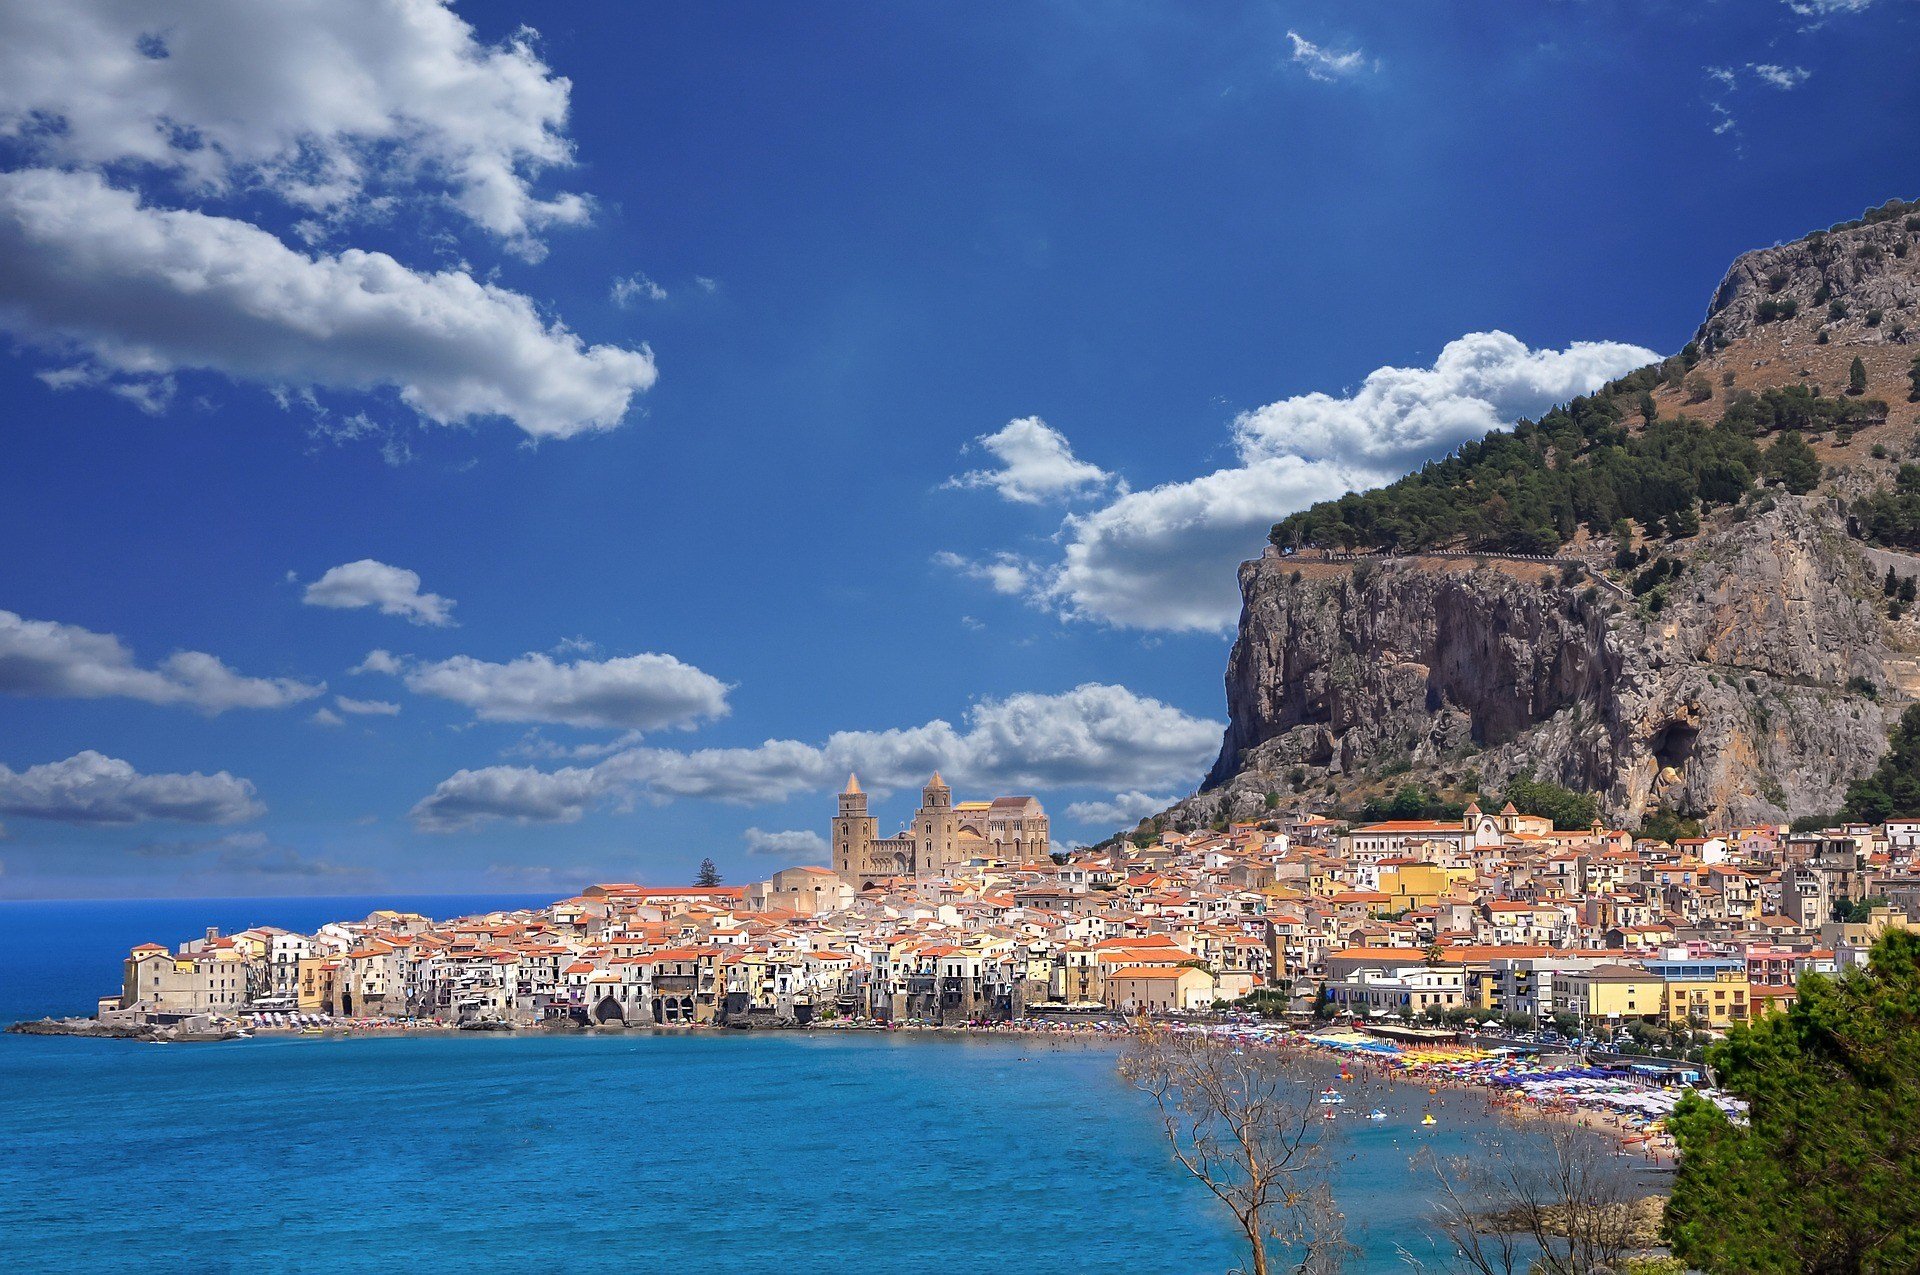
1617	992
1718	1002
1411	884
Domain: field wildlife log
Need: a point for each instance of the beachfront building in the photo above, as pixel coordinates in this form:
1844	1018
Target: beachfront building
156	982
1406	991
1160	989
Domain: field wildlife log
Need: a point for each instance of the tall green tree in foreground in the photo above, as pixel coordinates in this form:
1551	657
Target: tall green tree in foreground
1824	1176
708	876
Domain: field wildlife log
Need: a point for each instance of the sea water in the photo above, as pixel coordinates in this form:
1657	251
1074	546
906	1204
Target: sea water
850	1153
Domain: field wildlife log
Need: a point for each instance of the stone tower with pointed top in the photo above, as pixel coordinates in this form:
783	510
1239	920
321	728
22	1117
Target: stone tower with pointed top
936	829
854	830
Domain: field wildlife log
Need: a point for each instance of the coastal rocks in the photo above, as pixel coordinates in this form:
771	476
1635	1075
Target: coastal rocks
1753	690
179	1033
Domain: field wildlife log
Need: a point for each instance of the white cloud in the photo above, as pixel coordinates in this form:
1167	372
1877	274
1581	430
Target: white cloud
1779	77
795	843
632	692
332	107
1827	8
1164	557
47	658
379	661
1125	808
327	717
1325	64
635	287
139	292
1004	573
394	590
95	789
1093	735
1037	465
366	707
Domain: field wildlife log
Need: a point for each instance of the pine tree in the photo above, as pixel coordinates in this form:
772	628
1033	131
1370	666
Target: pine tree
709	875
1823	1174
1790	460
1857	377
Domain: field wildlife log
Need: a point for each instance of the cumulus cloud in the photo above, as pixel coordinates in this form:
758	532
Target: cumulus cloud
47	658
1163	557
379	661
139	292
1325	64
331	108
327	717
1125	808
635	287
795	843
631	692
1004	573
394	590
1036	465
1093	735
91	788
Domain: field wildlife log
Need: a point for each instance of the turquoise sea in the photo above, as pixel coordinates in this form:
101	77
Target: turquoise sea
844	1153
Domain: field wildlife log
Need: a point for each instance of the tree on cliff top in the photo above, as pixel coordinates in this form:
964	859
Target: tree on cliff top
709	875
1892	791
1824	1175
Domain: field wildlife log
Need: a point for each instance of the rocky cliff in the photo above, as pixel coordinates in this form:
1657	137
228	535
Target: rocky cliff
1761	681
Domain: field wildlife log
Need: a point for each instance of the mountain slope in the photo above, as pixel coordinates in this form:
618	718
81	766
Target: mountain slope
1737	662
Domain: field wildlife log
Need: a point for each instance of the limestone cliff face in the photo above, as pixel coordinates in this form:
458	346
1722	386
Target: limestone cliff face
1742	699
1761	688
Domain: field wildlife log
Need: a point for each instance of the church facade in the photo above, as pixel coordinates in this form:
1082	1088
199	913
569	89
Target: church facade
941	837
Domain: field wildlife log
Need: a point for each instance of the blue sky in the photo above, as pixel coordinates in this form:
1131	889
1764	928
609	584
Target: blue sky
442	455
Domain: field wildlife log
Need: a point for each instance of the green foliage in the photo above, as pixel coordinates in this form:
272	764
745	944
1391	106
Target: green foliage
1790	460
1668	825
1570	811
1847	910
708	876
1775	308
1891	515
1892	210
1796	407
1892	791
1824	1175
1411	801
1857	377
1531	489
1913	381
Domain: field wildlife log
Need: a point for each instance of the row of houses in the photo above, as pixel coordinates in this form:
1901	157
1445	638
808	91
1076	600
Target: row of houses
1496	913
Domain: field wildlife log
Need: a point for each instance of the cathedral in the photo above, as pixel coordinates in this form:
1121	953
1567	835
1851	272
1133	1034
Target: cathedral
941	837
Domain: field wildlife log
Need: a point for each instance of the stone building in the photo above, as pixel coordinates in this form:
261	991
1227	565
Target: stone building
941	837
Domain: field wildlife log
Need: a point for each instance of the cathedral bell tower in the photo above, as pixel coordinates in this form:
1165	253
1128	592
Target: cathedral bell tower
854	830
936	830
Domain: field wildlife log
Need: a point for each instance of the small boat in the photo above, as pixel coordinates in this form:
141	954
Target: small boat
1376	1114
1428	1119
310	1031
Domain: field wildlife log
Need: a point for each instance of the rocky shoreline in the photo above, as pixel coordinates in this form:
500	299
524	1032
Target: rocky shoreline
149	1032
